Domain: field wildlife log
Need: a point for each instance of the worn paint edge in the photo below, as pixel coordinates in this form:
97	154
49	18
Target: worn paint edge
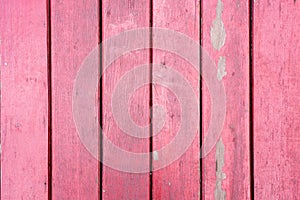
220	194
155	155
221	68
217	30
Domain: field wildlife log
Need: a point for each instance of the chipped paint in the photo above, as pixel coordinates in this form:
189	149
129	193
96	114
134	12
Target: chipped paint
221	68
218	37
155	155
217	30
220	194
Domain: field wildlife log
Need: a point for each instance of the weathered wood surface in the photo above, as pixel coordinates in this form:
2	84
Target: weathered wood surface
276	89
118	16
74	33
271	95
181	178
225	37
24	100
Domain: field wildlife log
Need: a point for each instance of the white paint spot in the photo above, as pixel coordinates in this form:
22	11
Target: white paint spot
217	30
155	155
169	183
220	194
5	63
103	191
221	68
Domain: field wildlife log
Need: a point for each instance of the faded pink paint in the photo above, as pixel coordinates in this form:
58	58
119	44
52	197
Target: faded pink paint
118	16
24	100
181	179
276	93
74	33
235	134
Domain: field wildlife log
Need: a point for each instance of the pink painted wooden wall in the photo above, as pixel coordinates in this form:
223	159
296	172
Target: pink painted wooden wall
254	46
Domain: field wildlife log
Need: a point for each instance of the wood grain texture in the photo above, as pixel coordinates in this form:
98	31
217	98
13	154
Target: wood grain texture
180	179
276	99
118	16
74	33
225	29
24	100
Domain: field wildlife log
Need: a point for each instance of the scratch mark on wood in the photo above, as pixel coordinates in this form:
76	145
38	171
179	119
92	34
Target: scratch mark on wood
220	194
217	31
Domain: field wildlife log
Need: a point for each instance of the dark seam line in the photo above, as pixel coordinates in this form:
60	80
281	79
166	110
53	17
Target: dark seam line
49	82
200	101
251	92
100	39
151	104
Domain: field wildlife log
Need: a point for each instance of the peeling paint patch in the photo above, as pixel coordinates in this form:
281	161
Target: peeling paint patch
217	30
220	194
155	155
221	68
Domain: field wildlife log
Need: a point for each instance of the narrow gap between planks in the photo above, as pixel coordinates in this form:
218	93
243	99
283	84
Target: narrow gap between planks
151	103
100	39
200	102
49	77
251	103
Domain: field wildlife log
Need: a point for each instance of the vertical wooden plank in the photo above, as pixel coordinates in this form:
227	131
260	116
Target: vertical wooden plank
180	179
225	29
24	100
74	33
276	96
119	16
